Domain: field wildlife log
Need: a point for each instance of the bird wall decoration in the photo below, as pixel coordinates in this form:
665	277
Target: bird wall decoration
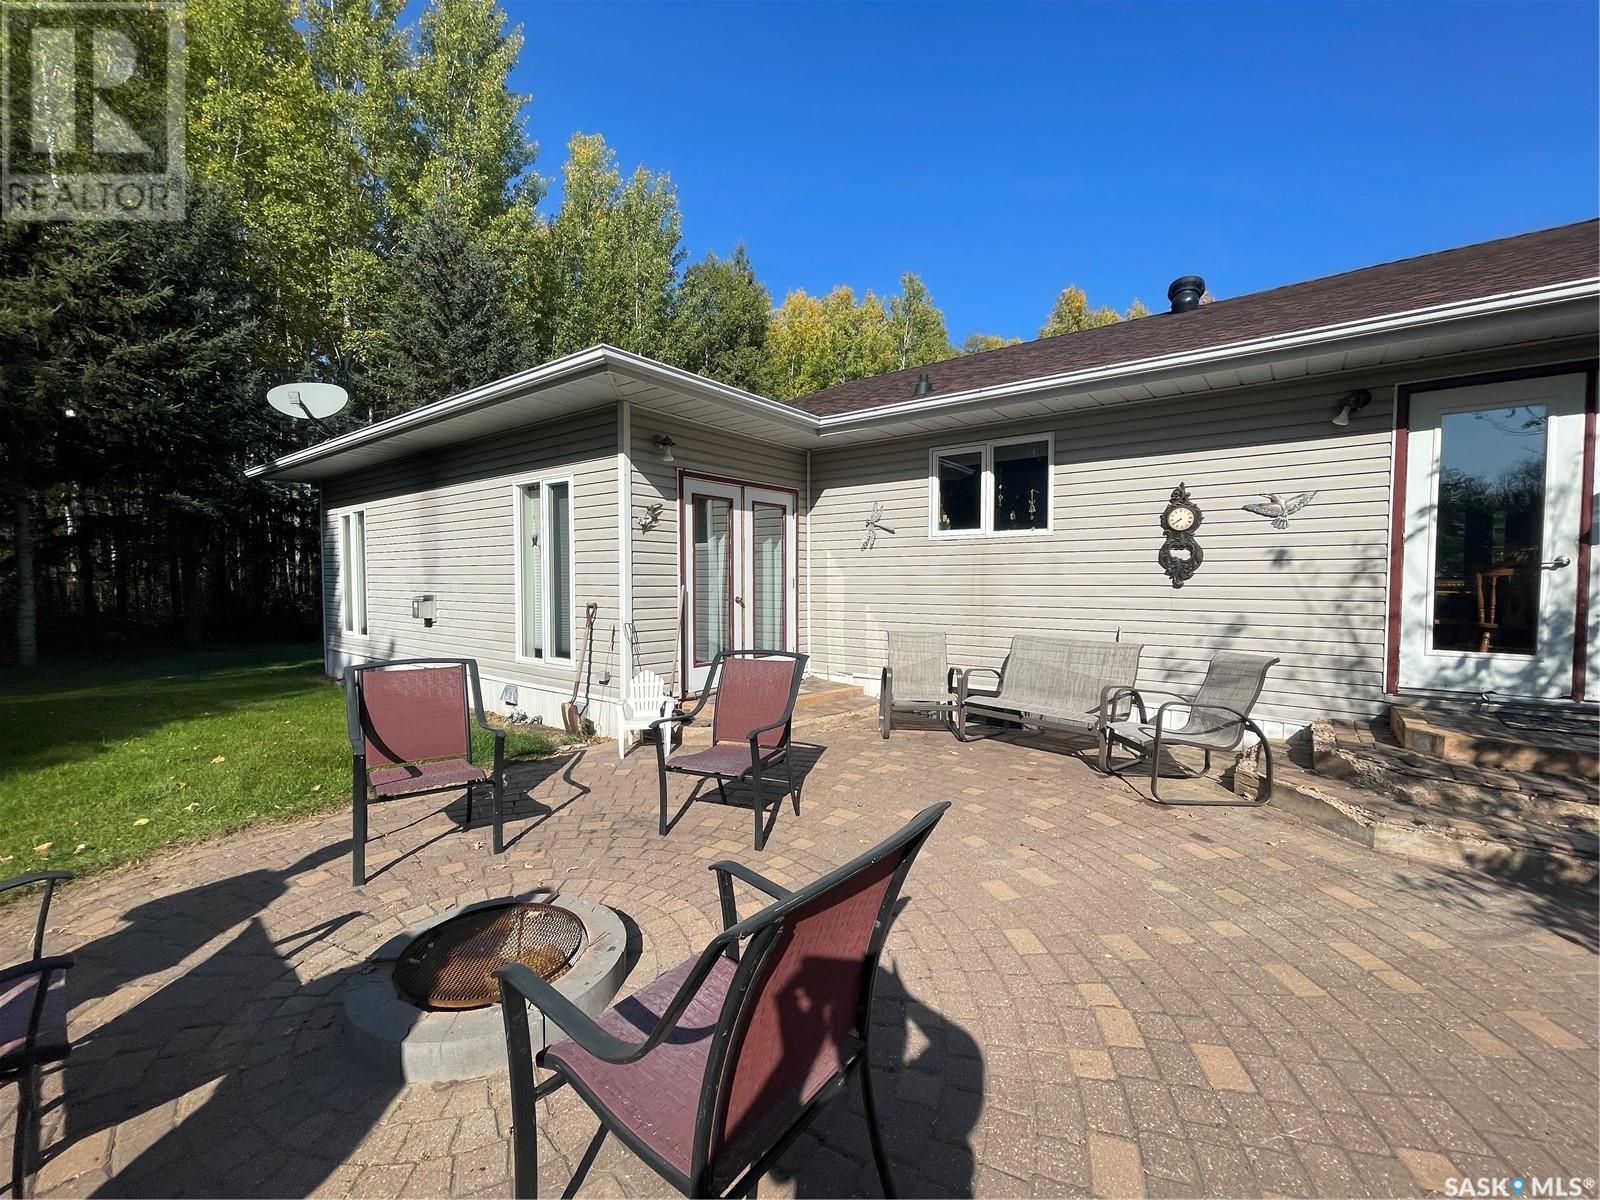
1278	508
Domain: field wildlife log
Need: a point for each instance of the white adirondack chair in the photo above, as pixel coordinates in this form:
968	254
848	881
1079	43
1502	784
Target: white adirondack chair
644	699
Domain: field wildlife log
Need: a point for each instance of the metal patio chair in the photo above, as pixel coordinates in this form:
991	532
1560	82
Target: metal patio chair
916	678
755	692
33	1027
1217	718
411	733
709	1072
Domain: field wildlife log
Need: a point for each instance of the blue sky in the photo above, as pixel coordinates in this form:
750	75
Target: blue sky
1003	151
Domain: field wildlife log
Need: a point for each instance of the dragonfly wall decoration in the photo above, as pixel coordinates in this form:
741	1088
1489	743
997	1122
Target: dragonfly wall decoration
874	524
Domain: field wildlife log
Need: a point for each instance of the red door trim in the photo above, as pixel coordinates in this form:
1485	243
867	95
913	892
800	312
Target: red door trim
1580	650
1397	505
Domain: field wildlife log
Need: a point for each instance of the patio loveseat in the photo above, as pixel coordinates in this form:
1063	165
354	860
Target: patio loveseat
1052	683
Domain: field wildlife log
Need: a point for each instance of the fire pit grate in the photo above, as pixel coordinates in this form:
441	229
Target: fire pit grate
452	966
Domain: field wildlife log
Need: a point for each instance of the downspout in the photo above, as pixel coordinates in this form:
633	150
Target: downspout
811	630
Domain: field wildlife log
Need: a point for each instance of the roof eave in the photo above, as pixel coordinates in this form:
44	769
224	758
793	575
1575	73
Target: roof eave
1317	336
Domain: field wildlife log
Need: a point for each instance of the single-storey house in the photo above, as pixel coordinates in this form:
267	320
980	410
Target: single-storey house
1394	469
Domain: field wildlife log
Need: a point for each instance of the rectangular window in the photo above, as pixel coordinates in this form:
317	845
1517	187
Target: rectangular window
959	480
544	571
999	487
353	572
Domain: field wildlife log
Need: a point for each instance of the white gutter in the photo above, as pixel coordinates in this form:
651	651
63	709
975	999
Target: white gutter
584	362
602	357
1416	318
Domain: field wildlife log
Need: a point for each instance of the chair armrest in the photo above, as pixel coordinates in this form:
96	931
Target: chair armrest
37	966
727	870
1112	693
964	680
778	724
518	984
35	877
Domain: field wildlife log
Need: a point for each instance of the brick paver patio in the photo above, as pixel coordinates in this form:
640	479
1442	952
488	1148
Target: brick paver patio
1085	993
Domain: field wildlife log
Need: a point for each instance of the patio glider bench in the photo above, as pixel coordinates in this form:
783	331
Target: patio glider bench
33	1027
711	1071
1215	718
1052	683
755	693
411	734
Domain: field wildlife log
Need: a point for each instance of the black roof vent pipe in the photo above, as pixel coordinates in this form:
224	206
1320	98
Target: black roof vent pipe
924	384
1185	292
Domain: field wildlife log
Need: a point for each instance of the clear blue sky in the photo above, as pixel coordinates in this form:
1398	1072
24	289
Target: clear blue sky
1003	151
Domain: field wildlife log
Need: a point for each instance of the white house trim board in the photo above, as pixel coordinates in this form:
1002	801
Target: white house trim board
569	662
624	663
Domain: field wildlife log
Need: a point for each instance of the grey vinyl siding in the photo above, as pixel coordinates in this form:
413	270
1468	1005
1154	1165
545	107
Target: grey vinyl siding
1314	594
445	524
655	554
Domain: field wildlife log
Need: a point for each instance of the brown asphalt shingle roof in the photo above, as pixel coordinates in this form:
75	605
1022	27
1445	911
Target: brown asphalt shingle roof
1529	260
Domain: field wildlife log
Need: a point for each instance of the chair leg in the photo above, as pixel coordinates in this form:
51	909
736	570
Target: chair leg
794	792
468	821
755	793
722	792
358	840
1264	792
498	799
661	829
885	715
879	1155
25	1143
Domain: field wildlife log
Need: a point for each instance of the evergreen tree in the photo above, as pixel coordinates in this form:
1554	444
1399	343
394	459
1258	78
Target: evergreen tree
720	314
446	327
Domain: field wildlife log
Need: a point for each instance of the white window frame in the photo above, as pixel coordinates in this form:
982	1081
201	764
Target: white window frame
986	450
547	617
349	628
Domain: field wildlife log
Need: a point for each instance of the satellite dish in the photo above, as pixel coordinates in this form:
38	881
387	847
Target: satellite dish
308	400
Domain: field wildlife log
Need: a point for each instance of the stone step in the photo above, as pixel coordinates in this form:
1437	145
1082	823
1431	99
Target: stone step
1368	756
1554	742
1519	848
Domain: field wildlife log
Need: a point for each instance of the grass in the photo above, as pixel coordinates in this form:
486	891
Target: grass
105	763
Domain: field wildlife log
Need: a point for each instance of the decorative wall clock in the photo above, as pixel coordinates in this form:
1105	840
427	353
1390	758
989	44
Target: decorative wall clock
1180	555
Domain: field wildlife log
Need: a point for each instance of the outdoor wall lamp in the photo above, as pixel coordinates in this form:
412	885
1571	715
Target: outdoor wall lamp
1353	403
664	443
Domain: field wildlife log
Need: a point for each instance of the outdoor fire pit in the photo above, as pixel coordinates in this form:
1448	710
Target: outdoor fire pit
427	1006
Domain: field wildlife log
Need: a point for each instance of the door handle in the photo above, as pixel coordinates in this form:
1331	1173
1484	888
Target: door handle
739	600
1558	563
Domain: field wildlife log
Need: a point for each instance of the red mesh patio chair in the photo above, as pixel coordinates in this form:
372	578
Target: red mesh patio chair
33	1027
411	734
712	1070
755	691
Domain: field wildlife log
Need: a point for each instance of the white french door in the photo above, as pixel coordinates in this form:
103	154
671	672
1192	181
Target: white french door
1494	494
739	566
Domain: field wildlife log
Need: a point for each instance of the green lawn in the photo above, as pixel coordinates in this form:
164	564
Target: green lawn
101	763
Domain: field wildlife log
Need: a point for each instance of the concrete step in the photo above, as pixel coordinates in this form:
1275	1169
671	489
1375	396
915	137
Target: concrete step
1561	857
1552	742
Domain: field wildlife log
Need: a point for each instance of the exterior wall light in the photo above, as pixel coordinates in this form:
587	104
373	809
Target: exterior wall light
664	443
1353	403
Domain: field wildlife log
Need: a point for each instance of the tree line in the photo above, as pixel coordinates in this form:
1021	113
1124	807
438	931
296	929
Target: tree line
364	207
